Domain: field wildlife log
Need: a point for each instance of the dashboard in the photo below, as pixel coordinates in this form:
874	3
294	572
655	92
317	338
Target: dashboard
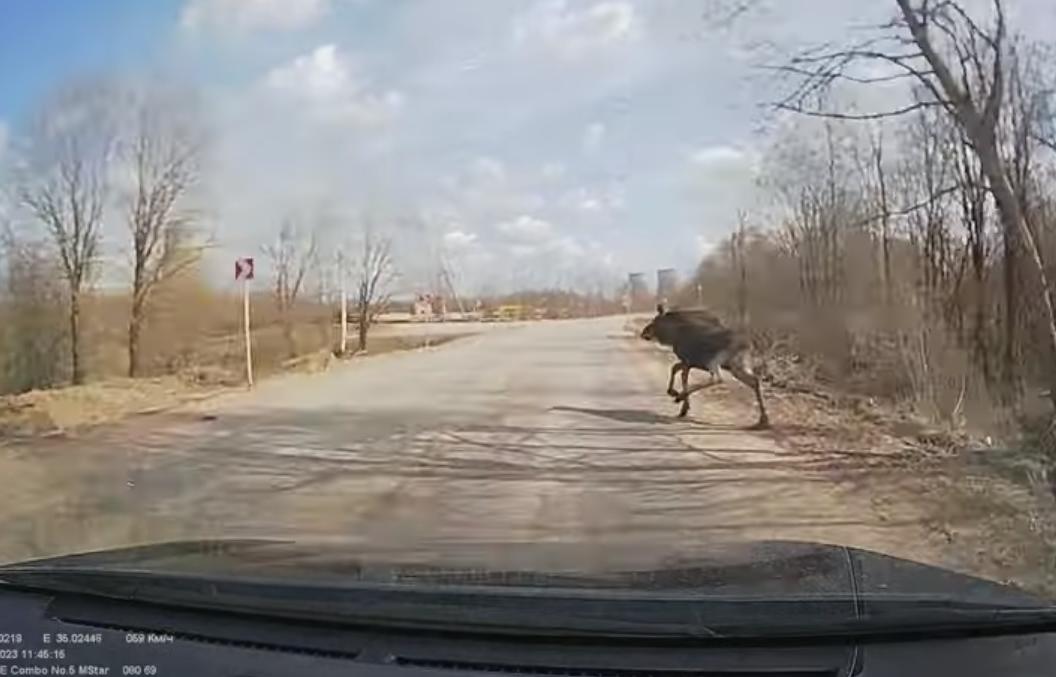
70	635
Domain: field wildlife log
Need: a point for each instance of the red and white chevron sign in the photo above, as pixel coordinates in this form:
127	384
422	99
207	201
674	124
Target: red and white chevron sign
243	269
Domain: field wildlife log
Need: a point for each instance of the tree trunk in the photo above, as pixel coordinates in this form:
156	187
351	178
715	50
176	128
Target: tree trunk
135	321
885	230
977	236
364	327
287	335
75	337
980	333
134	331
742	297
1013	218
1011	306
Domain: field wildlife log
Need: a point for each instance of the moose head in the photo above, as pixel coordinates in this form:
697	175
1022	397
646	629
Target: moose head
649	332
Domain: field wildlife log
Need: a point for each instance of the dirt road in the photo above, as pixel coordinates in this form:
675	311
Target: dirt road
555	431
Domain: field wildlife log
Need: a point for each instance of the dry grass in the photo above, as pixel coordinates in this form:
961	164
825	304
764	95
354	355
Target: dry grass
192	346
53	411
193	326
984	511
989	514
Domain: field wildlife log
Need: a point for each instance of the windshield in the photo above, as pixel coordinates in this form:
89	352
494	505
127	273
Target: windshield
533	292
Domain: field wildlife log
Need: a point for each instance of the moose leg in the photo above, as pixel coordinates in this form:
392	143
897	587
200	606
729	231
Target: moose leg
683	397
715	367
671	381
743	374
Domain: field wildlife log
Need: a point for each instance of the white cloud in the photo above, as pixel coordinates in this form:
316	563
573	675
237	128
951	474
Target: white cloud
705	246
725	174
539	245
485	189
567	247
572	30
616	198
487	170
459	240
717	157
251	15
526	230
593	137
590	204
522	251
721	181
558	252
595	200
325	80
552	171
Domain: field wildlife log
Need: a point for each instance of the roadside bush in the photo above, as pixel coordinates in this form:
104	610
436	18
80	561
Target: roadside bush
32	331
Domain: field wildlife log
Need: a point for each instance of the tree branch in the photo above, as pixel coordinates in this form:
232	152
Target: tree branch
835	115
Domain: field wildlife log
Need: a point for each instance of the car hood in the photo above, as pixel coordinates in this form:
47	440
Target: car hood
755	569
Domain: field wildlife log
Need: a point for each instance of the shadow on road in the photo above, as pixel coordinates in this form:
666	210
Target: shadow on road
621	415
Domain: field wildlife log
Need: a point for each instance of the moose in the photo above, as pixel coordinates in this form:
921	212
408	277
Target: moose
700	341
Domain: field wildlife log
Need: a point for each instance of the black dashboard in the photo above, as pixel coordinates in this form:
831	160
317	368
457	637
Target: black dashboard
45	634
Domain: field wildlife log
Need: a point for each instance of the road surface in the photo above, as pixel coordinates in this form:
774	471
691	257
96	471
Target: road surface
555	432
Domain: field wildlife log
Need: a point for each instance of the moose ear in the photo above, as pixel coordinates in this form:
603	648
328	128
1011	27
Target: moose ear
660	310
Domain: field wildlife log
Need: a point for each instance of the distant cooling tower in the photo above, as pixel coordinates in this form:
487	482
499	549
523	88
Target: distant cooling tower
666	285
639	292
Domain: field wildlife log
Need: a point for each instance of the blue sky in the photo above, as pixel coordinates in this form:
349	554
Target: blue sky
531	141
45	41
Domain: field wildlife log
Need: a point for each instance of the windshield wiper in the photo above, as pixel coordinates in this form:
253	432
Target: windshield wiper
547	613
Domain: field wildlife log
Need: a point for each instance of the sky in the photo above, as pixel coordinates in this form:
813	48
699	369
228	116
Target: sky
524	141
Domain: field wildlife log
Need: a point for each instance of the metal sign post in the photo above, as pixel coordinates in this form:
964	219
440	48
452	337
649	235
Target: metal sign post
344	302
243	274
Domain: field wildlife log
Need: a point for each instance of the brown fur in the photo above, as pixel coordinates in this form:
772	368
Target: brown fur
700	341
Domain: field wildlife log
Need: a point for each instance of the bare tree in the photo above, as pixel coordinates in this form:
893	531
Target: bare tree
958	65
64	184
877	182
292	256
163	157
926	173
814	185
374	274
975	207
31	325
